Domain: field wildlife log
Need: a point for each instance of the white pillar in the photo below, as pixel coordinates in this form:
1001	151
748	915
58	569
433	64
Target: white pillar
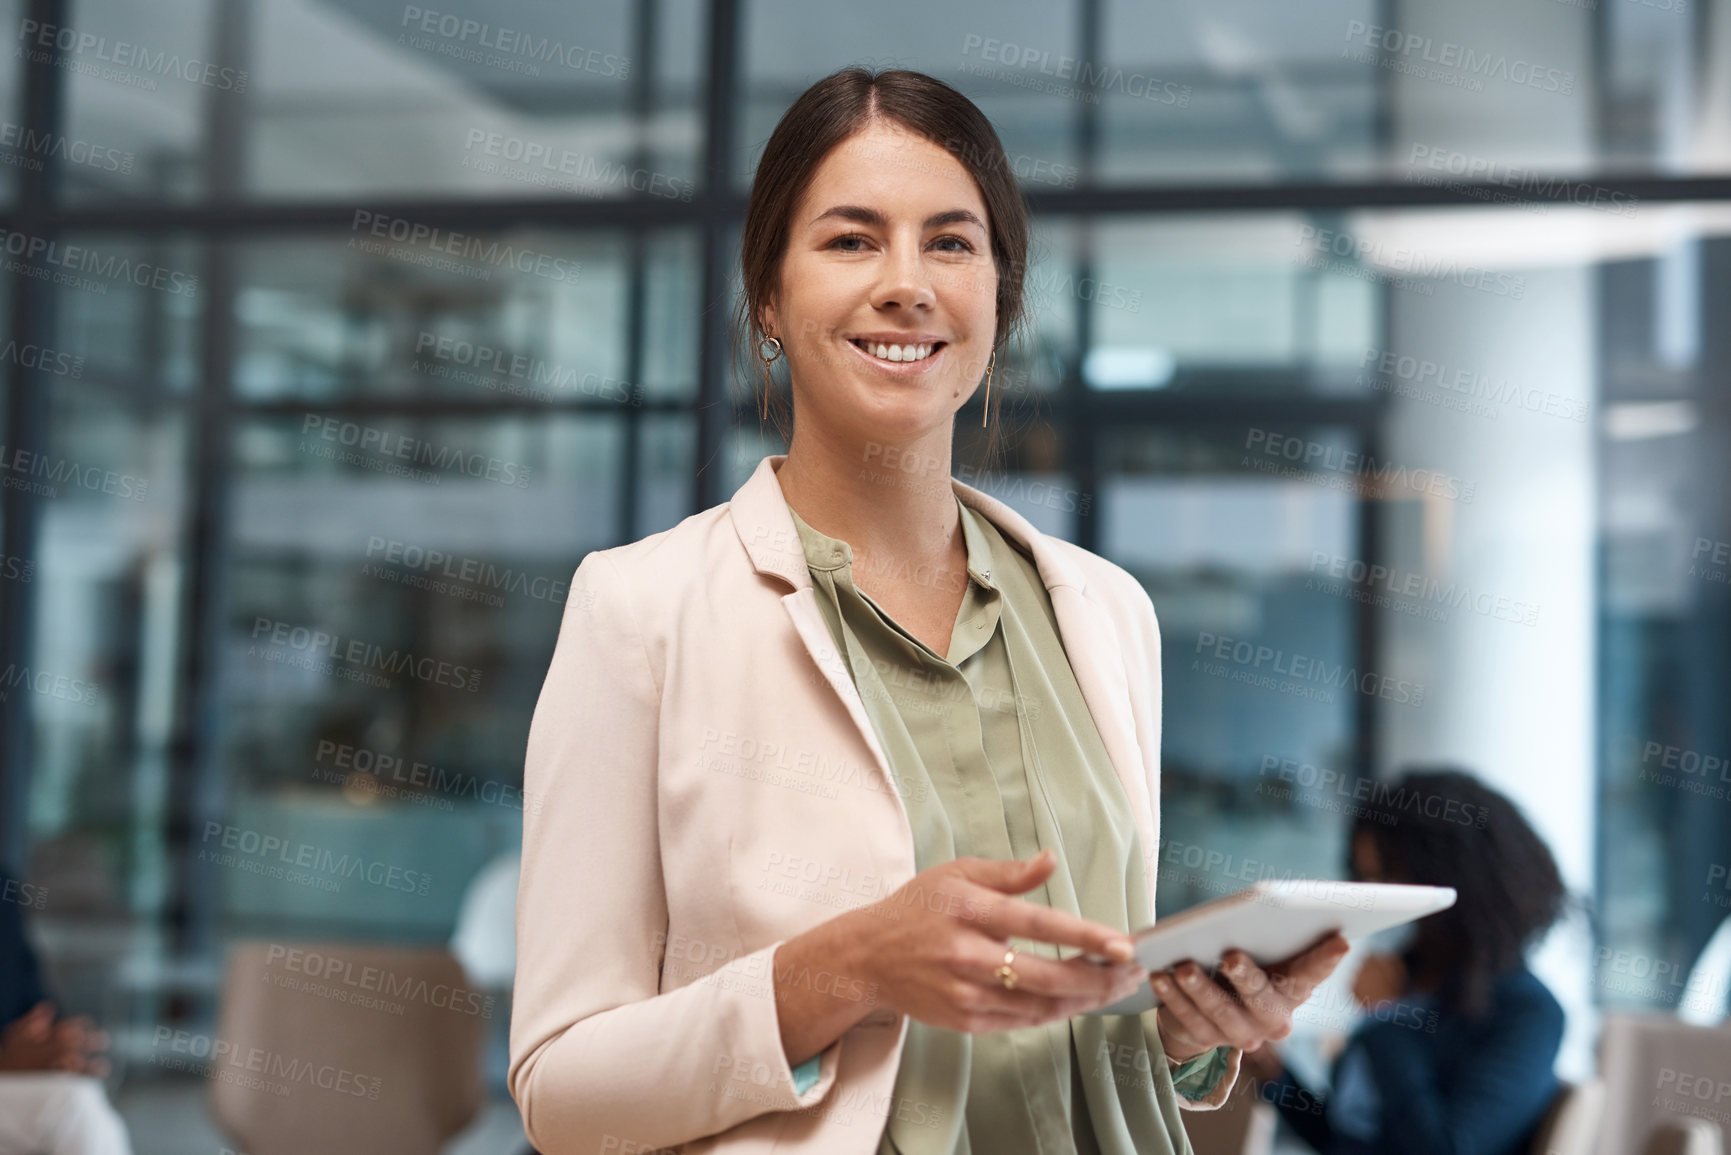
1512	702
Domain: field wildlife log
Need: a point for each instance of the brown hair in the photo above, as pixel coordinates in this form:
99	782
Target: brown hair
829	112
1441	826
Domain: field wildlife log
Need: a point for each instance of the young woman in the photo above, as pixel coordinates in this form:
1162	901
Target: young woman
1457	1049
796	757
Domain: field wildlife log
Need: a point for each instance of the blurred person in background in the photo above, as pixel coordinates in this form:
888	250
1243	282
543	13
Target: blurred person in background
1456	1051
51	1097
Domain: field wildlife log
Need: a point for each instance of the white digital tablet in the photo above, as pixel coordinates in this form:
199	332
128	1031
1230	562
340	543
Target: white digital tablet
1274	920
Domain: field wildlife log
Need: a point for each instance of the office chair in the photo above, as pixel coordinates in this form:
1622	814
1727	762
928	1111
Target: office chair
1651	1065
1685	1137
309	1066
1572	1124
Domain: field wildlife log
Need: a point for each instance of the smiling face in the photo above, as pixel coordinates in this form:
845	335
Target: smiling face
887	304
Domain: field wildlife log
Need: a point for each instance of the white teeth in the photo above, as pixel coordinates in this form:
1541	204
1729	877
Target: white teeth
900	352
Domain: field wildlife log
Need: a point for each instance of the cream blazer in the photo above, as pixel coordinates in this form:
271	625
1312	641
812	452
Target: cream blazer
702	783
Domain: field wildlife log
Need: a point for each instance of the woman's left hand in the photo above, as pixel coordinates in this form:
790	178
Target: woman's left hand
1246	1007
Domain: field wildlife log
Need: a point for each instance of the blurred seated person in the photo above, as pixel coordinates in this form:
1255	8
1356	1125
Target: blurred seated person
51	1096
1456	1050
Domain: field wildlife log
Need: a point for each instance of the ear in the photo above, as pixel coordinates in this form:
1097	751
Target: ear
769	323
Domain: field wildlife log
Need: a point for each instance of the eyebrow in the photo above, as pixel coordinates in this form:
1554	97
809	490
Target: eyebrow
870	216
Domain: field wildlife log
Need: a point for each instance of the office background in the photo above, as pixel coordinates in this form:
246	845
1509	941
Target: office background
1388	337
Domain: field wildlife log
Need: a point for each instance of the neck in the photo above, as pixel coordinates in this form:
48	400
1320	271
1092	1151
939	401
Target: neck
885	501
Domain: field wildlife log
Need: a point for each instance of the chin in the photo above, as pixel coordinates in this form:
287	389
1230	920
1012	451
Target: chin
902	419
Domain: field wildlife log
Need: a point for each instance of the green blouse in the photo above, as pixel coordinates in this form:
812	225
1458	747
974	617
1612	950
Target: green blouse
997	756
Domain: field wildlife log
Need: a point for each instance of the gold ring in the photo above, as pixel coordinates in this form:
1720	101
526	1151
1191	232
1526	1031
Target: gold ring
1006	973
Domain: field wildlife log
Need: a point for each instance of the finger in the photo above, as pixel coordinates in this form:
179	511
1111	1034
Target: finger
69	1035
1298	978
1198	1027
1013	918
40	1024
1255	986
1069	979
1231	1020
1075	979
1017	1008
1316	961
1008	875
1269	1009
1246	977
1294	990
1031	1001
1034	1011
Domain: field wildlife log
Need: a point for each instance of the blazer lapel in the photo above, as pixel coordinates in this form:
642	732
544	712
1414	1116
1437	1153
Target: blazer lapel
801	606
1089	636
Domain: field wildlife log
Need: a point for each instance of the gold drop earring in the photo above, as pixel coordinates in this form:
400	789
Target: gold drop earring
988	405
767	362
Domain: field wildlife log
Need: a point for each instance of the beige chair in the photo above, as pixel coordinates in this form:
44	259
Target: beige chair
1685	1137
1654	1067
310	1062
1571	1126
1243	1125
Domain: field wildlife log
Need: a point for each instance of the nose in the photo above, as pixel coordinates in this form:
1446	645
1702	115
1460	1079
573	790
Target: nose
906	281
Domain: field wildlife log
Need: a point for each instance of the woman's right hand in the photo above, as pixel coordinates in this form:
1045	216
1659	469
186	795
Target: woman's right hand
935	944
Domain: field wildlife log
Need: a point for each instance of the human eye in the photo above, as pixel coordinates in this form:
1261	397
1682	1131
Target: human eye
847	237
967	246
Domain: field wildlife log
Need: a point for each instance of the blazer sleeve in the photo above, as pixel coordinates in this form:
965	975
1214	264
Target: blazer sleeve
1142	652
1304	1110
20	982
600	1058
1489	1101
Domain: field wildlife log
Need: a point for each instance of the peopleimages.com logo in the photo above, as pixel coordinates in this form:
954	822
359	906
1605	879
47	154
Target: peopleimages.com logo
86	268
1478	169
1025	66
460	247
390	444
268	854
322	651
1456	64
100	56
463	38
31	146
